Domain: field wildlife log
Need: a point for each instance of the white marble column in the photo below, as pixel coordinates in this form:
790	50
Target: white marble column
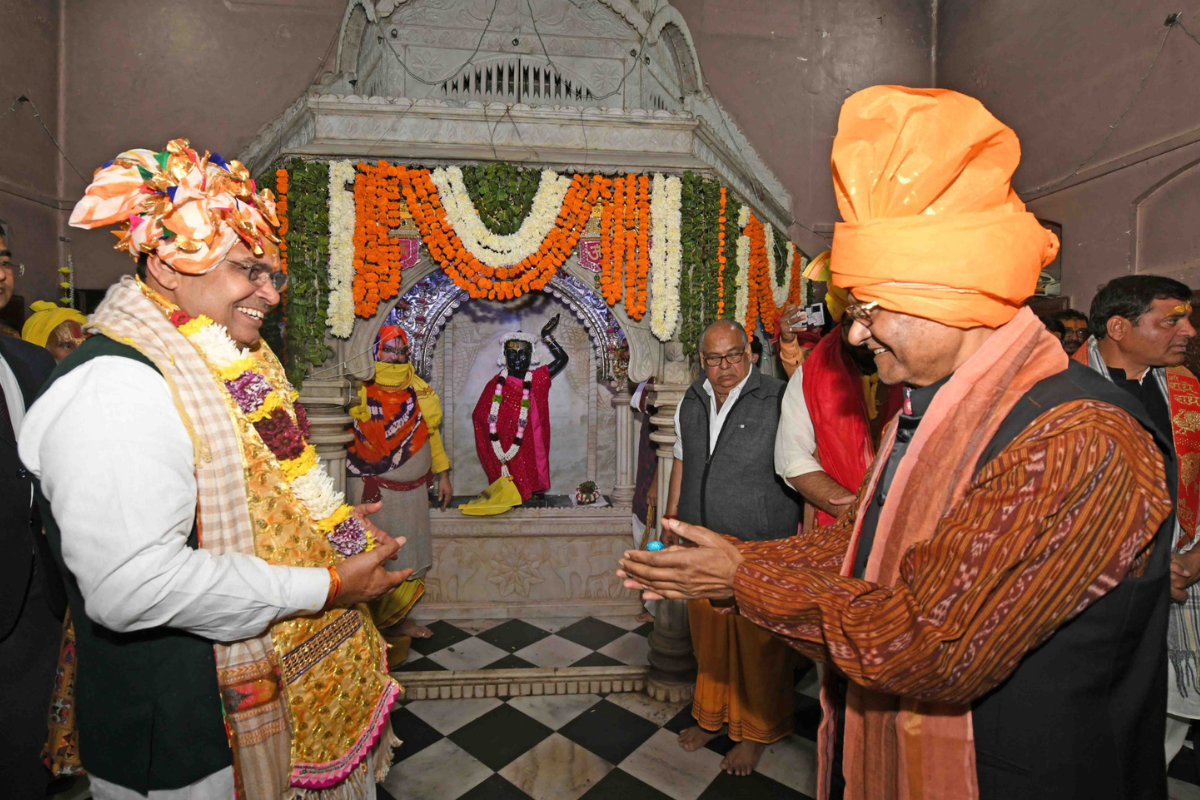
672	663
622	494
325	398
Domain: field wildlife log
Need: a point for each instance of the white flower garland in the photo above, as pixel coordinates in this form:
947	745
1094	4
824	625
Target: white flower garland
666	255
502	455
341	250
490	248
780	293
311	484
743	267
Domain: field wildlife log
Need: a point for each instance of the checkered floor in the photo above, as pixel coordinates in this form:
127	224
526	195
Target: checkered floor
515	644
567	747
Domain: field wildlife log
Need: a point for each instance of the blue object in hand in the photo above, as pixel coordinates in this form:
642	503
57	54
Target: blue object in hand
655	545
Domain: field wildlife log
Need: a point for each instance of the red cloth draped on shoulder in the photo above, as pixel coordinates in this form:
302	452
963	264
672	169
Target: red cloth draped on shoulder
530	467
833	392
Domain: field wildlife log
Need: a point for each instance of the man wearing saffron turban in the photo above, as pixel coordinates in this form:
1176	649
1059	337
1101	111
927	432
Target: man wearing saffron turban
993	609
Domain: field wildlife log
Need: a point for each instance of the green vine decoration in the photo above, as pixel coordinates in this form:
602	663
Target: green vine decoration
781	262
710	212
307	240
502	194
272	327
732	209
690	249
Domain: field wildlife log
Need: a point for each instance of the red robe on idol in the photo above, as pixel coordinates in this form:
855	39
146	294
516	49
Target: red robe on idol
530	467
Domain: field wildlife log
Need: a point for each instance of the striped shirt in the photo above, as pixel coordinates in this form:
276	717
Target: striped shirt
1063	514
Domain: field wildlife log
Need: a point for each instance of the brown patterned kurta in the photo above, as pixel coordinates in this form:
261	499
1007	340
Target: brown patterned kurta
1059	518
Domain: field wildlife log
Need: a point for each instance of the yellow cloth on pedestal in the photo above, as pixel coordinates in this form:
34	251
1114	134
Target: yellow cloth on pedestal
495	499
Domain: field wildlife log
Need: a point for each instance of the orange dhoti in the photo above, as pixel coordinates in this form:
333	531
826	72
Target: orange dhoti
745	676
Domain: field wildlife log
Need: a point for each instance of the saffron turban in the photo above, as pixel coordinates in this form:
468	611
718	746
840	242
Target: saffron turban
45	318
932	225
188	209
386	334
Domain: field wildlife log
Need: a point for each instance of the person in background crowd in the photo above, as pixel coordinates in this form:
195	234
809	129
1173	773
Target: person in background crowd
1075	329
834	411
1140	333
756	351
722	478
995	604
645	484
209	561
58	329
396	453
32	602
1055	327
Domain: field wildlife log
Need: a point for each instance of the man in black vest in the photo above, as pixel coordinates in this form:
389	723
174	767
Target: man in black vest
723	478
994	608
31	596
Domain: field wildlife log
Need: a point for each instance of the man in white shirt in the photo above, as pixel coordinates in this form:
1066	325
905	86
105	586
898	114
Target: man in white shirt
212	611
722	477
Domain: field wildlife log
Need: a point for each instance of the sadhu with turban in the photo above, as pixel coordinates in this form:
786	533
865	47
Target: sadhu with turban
993	607
396	454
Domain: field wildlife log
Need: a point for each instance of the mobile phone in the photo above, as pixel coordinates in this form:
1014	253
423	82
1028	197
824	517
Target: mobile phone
816	315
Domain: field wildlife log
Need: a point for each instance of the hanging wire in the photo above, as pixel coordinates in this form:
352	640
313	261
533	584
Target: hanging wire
1171	22
24	98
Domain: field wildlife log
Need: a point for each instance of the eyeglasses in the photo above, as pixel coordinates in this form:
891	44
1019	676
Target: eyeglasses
17	268
728	358
260	274
861	312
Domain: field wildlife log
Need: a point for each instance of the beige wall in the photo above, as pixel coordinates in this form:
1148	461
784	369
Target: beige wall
29	179
139	72
217	70
783	68
1061	73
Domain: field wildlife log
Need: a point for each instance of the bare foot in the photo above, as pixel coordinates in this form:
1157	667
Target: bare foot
743	758
409	628
644	617
696	737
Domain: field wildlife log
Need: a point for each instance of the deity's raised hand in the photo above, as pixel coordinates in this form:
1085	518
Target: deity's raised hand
549	327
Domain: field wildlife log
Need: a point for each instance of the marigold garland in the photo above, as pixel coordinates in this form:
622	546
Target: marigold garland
760	296
635	288
721	260
281	209
499	283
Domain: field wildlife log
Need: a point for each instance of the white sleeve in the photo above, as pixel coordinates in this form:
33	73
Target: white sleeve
677	448
796	439
116	464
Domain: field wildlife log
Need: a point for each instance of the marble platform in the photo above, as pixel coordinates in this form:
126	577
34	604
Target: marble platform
528	563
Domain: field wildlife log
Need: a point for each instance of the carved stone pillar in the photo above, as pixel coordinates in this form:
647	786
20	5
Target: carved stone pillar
672	664
325	396
622	494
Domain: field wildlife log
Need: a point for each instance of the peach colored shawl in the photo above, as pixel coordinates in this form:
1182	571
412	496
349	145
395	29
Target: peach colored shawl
898	748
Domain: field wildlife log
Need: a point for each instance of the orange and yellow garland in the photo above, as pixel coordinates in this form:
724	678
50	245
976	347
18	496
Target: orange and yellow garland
382	190
281	209
376	254
761	299
721	258
499	283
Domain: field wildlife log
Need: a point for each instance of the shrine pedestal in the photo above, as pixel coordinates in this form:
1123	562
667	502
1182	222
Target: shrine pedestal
528	562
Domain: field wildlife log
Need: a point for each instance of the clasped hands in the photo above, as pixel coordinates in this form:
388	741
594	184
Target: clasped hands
364	576
703	567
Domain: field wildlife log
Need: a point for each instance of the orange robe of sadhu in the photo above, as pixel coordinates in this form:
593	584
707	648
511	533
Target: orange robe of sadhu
745	676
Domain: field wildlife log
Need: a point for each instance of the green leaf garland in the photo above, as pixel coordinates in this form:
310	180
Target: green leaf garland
502	194
307	240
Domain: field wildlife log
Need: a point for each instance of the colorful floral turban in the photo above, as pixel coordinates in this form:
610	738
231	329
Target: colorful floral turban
836	299
189	210
932	226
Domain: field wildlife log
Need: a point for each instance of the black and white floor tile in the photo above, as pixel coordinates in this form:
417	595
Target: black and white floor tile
594	747
514	644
